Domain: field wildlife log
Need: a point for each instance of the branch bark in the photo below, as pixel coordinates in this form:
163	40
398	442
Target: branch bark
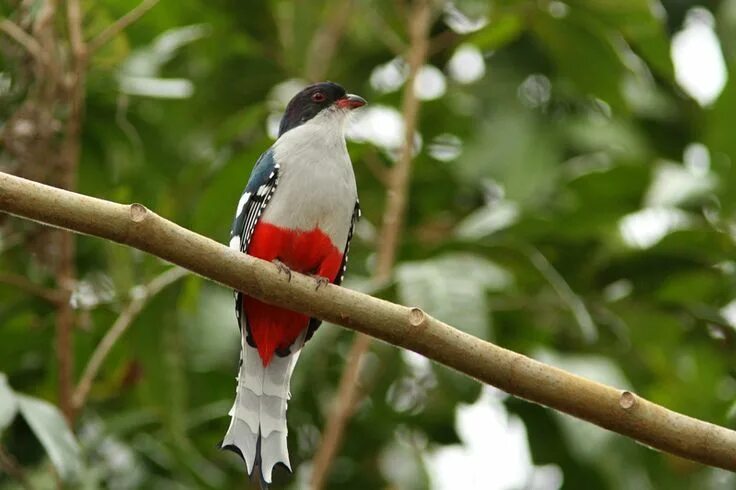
397	196
613	409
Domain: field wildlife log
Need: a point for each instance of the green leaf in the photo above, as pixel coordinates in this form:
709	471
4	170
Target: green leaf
453	288
488	220
502	31
49	426
8	403
525	165
583	54
641	24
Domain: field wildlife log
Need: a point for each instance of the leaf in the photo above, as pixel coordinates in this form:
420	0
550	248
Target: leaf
675	185
488	220
504	29
641	22
582	53
453	288
726	26
149	60
49	426
8	403
525	165
718	137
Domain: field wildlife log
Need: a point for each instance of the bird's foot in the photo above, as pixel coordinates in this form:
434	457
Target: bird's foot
321	281
282	268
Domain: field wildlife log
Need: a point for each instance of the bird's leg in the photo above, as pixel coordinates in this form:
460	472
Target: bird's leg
321	280
283	268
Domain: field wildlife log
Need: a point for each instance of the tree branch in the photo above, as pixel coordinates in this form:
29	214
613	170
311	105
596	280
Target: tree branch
393	218
397	195
10	465
74	21
139	298
610	408
326	39
51	295
24	39
342	408
66	268
120	25
588	329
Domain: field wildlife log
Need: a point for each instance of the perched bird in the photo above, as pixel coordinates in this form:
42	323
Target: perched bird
298	211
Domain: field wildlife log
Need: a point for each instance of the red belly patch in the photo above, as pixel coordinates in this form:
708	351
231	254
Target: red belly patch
308	252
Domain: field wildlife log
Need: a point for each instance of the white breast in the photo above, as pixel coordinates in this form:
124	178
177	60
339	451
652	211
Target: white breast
316	187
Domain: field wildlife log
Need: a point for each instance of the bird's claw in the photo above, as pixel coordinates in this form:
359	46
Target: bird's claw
321	281
282	268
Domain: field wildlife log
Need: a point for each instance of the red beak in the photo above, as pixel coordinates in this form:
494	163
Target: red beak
351	102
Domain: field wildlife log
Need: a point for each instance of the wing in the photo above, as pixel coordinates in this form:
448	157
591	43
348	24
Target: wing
314	323
258	192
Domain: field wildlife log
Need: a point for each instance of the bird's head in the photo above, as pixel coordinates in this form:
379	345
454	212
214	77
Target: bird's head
324	99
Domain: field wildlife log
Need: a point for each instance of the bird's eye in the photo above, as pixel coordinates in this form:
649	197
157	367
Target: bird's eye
318	97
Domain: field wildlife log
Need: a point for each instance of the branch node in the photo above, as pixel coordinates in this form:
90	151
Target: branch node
417	318
627	400
138	212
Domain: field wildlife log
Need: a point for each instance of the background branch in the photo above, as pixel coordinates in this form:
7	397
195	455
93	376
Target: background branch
577	307
610	408
120	25
11	466
397	195
17	281
73	93
324	43
140	296
74	18
24	39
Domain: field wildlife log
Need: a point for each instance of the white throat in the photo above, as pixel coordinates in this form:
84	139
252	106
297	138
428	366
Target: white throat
326	129
316	186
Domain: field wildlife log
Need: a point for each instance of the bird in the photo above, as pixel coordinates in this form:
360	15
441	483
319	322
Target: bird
299	210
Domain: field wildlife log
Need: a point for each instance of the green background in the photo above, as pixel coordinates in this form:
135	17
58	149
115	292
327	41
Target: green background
573	146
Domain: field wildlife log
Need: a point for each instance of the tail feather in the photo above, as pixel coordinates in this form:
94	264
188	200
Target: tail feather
258	417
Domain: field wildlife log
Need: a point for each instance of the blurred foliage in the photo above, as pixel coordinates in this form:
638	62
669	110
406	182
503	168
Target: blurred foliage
569	201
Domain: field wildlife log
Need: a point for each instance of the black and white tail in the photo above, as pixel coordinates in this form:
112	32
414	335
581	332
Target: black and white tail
258	418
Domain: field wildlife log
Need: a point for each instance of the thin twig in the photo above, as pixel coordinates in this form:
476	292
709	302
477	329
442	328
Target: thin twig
393	218
24	39
17	281
74	20
585	321
120	25
139	298
381	172
65	318
325	41
419	20
343	408
44	34
134	225
385	33
443	41
10	465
